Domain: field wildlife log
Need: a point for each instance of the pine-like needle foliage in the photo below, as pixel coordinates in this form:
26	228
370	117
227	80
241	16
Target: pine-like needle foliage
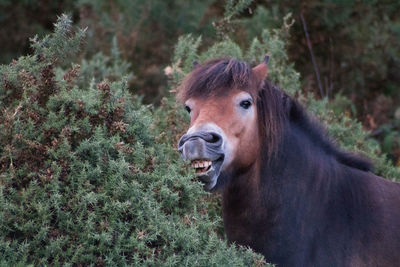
282	73
82	179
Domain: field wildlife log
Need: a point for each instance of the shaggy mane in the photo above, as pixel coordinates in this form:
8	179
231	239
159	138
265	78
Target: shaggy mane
275	108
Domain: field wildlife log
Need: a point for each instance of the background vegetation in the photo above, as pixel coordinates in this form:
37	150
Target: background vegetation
355	44
88	170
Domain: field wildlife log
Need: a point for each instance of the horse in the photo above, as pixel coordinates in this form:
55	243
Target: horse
288	191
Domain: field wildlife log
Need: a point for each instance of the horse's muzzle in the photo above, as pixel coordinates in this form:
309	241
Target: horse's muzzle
201	148
200	145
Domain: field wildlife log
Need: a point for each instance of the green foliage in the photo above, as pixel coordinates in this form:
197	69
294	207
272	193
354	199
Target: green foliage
146	32
22	19
339	126
235	7
61	44
389	135
83	180
101	66
273	42
354	42
283	74
357	53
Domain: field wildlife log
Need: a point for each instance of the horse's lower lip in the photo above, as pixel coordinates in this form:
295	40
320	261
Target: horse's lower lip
208	169
208	177
205	172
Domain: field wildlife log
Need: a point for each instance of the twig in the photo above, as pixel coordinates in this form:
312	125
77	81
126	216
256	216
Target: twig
312	55
326	87
331	69
380	131
16	111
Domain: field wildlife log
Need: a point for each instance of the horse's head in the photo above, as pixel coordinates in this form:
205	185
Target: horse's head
222	97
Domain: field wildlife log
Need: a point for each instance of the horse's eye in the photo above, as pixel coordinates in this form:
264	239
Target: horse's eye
245	104
188	109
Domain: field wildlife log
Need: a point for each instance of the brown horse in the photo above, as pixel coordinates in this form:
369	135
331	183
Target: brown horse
287	191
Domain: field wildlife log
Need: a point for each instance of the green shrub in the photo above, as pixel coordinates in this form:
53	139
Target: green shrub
146	32
21	19
83	180
282	73
355	44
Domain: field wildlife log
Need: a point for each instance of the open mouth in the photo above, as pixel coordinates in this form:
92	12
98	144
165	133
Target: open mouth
207	171
201	166
205	150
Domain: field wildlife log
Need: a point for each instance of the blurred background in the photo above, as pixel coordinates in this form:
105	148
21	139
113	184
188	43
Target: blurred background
355	44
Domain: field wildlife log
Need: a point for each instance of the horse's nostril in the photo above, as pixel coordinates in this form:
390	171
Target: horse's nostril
182	141
215	138
211	138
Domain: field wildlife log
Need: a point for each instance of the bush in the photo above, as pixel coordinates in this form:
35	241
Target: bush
83	180
282	73
355	43
356	49
21	19
131	21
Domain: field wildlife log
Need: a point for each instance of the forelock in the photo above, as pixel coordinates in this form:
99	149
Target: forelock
216	77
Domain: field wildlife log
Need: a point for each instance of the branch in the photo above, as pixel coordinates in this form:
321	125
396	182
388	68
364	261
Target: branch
312	55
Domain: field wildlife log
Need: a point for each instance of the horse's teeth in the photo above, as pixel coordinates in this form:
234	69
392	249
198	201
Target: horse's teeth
200	164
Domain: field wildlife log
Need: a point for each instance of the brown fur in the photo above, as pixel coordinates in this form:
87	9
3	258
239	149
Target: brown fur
242	134
215	79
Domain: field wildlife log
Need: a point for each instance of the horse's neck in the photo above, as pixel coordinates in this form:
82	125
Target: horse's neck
282	208
277	195
240	200
301	171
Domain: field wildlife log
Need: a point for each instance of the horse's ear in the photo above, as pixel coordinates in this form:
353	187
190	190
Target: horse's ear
261	70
